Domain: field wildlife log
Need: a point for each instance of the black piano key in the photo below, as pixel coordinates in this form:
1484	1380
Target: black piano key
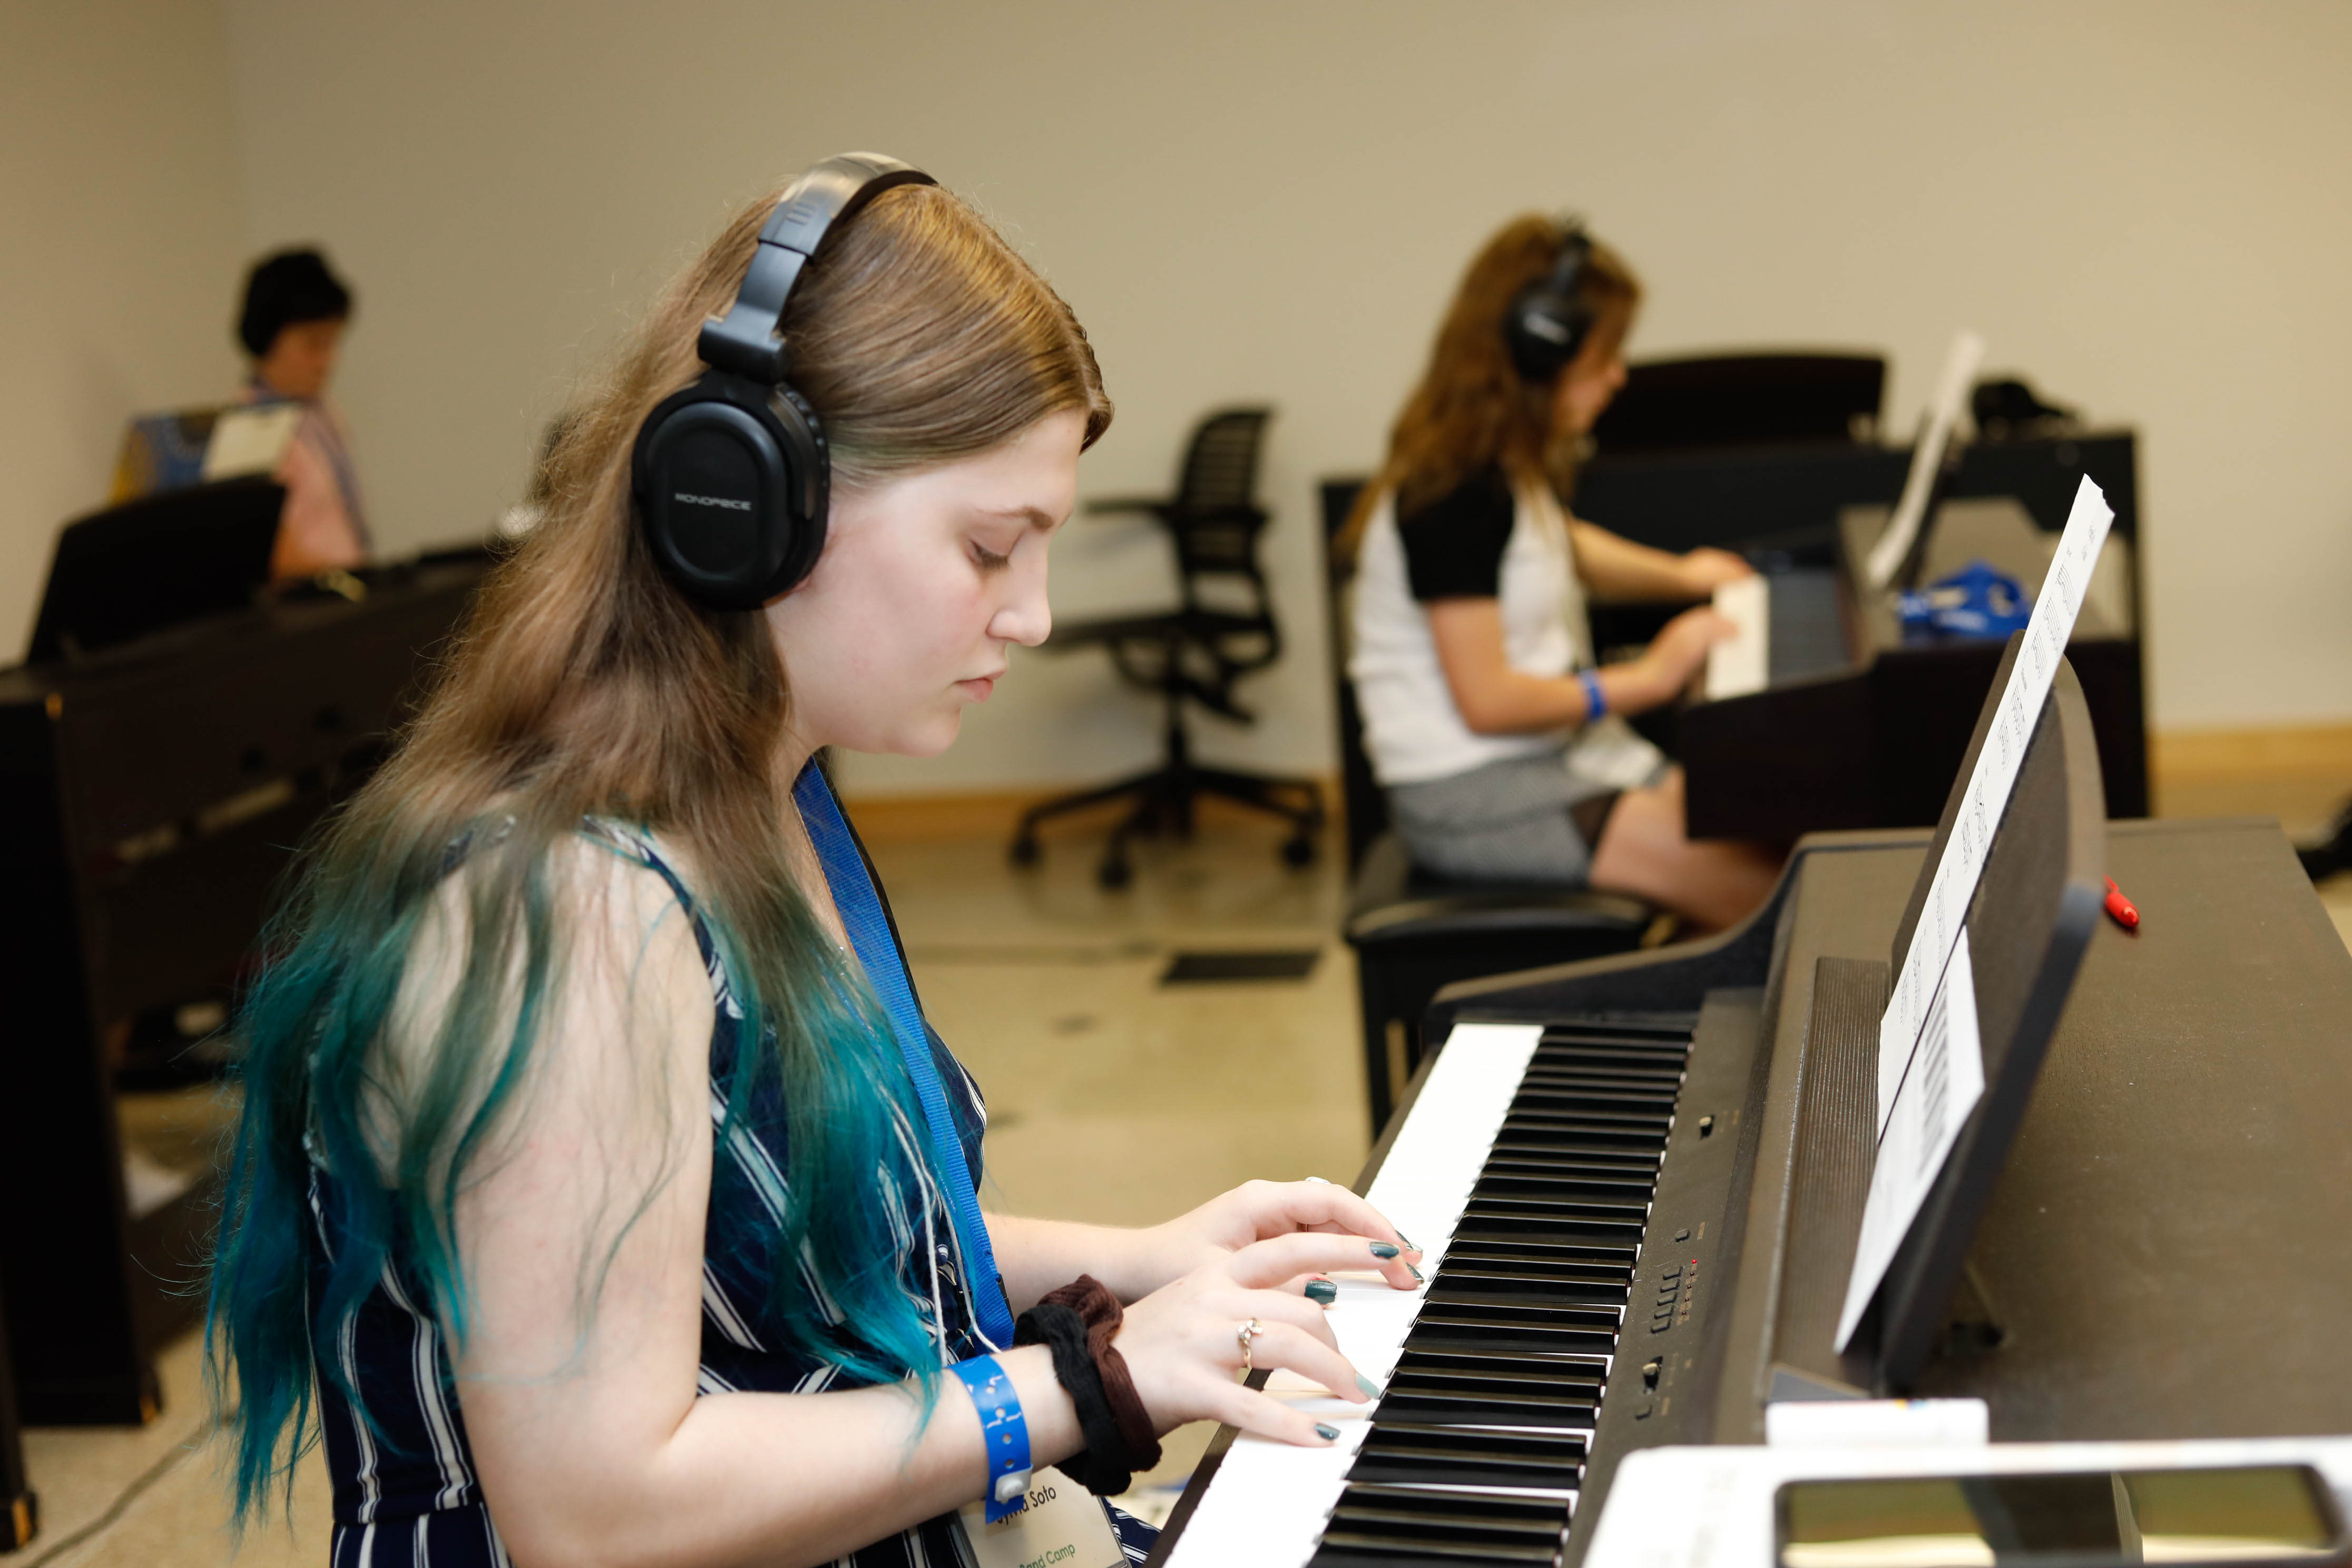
1349	1549
1573	1125
1480	1325
1386	1525
1416	1453
1603	1068
1489	1221
1604	1074
1511	1155
1539	1244
1607	1066
1635	1153
1567	1214
1469	1407
1675	1027
1626	1040
1539	1284
1454	1390
1550	1184
1598	1095
1647	1053
1602	1267
1410	1507
1566	1371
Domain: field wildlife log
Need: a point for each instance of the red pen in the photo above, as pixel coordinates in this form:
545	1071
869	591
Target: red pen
2121	908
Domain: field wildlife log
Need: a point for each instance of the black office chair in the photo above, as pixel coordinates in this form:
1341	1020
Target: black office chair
1193	654
1413	933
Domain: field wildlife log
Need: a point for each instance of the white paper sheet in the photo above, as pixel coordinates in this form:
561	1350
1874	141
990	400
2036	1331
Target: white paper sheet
1945	1080
250	440
1960	364
1740	665
1712	1507
1988	786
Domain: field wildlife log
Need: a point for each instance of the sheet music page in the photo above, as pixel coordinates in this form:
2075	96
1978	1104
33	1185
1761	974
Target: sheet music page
1960	364
1988	786
1738	666
1945	1080
250	440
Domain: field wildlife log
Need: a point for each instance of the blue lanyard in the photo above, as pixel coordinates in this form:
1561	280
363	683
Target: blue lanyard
869	934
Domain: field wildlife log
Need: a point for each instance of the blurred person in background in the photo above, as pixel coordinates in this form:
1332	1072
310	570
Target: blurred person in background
292	324
1501	744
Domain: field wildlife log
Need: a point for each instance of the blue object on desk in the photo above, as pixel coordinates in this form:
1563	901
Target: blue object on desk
1977	601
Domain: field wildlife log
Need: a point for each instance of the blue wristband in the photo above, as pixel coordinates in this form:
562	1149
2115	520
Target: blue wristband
1006	1431
1596	706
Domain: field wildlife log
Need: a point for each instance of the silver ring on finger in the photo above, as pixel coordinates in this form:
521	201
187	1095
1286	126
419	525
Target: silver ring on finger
1250	1329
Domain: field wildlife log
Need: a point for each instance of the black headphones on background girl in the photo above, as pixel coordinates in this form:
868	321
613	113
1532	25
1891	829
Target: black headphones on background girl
1549	319
730	475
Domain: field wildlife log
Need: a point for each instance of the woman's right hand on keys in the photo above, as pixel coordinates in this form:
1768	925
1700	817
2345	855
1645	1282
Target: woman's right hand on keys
1677	652
1182	1342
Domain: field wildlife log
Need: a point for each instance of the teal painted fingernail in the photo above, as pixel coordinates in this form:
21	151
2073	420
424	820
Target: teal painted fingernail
1328	1433
1409	1244
1371	1390
1384	1251
1409	1269
1322	1291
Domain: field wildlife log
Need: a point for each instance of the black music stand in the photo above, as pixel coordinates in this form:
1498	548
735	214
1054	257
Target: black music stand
157	561
2035	908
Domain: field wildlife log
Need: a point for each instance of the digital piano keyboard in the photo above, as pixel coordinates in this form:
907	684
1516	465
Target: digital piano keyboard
1639	1182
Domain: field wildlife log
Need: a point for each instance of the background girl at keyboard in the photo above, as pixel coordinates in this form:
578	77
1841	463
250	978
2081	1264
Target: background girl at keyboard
1502	747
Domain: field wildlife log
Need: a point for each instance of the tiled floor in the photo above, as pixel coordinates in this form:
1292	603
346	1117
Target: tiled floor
1112	1099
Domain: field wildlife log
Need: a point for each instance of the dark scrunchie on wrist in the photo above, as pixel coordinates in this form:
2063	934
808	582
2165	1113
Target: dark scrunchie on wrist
1077	1323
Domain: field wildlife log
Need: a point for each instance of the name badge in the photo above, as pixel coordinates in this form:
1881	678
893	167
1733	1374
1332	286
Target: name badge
1060	1526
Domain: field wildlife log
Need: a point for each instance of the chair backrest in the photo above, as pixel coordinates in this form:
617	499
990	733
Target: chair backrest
1220	466
1744	399
1215	522
1366	809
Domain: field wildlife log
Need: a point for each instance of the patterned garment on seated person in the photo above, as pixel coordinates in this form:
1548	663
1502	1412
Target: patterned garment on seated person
1530	820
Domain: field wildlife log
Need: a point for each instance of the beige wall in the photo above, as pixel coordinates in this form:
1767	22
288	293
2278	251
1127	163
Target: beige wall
122	241
2139	202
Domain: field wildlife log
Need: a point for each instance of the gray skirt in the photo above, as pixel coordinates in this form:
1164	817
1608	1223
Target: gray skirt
1508	821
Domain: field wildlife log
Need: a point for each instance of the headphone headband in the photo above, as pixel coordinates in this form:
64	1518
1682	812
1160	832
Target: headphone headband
731	475
748	340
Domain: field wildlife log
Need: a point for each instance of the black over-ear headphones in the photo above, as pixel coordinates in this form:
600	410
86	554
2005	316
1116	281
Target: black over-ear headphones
1549	319
730	475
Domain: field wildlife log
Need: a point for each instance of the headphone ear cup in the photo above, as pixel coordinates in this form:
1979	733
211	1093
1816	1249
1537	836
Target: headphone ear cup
1544	333
728	481
810	501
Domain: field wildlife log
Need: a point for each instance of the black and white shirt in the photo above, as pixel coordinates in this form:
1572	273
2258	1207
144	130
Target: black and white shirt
1489	540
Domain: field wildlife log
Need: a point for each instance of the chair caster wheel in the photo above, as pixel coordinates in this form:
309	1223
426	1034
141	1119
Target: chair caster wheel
1115	874
1024	850
1298	851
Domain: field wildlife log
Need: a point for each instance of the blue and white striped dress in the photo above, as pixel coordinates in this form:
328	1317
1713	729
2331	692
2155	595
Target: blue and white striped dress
405	1491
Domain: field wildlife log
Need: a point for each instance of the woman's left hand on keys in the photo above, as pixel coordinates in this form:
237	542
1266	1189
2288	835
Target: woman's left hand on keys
1255	1211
